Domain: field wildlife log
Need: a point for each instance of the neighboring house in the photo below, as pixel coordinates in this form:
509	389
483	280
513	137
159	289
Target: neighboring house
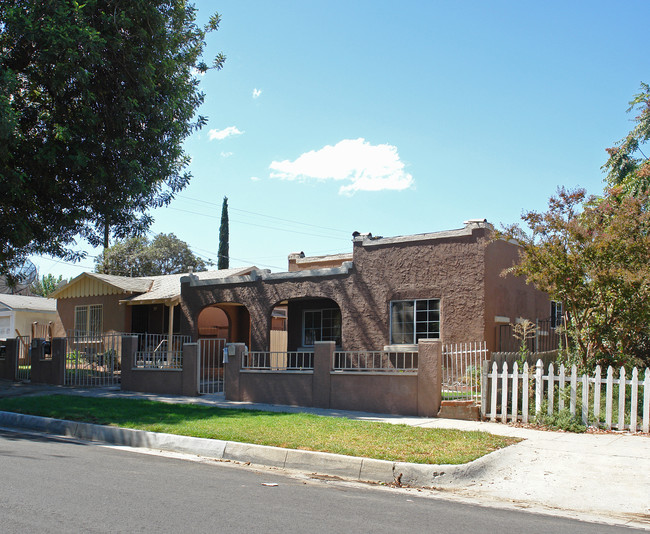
387	292
25	316
94	303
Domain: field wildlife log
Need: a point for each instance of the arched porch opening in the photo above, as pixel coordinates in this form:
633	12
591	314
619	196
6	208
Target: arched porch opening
279	322
311	319
226	320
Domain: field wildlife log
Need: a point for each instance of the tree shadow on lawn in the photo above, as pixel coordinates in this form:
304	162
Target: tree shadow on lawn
123	411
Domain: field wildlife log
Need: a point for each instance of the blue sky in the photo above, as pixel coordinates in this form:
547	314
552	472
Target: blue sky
397	118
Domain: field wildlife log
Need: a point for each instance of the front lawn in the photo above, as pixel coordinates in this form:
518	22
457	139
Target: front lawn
294	431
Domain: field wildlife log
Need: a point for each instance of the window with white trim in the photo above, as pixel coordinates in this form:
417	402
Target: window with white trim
411	320
321	325
88	320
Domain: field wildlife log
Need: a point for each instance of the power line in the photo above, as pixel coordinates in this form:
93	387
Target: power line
264	215
216	254
258	225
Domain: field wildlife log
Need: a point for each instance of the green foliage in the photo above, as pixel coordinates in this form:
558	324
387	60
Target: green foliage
224	261
46	285
562	420
628	166
165	254
96	99
594	256
294	431
523	332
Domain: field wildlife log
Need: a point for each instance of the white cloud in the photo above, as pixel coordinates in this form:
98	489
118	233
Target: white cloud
226	154
222	134
364	167
255	179
257	93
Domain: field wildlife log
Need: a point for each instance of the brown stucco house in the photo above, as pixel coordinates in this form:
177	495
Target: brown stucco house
388	292
94	303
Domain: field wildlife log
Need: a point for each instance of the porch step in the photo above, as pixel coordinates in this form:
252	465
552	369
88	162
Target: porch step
467	410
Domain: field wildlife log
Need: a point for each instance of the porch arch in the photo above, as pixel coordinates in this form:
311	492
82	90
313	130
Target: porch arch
311	319
228	320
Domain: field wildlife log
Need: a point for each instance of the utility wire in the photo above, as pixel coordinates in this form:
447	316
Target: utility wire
230	208
257	225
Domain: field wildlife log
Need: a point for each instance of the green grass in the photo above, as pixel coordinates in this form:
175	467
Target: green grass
293	431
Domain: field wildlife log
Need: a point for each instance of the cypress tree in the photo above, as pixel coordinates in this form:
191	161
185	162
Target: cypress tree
223	261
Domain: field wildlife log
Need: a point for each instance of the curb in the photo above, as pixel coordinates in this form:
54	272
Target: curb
322	463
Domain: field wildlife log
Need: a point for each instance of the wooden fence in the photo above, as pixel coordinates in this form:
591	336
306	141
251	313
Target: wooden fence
510	395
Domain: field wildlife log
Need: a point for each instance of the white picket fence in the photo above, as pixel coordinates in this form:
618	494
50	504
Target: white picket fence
512	394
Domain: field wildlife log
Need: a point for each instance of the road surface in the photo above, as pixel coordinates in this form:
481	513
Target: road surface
51	484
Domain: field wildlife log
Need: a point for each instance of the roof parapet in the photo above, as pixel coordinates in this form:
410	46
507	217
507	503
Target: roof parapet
367	240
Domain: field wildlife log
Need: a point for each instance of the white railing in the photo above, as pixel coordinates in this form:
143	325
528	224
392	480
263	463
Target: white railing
461	369
160	351
379	361
278	361
514	394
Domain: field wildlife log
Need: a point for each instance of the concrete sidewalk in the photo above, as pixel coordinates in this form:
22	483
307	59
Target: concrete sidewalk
601	476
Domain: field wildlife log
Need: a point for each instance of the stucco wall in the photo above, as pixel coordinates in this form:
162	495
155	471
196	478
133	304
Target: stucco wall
450	268
509	296
116	316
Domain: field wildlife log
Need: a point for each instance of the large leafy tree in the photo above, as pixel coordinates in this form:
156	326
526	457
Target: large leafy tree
594	256
47	285
96	99
138	256
628	165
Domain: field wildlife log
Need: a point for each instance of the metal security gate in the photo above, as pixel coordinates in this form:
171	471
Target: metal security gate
211	365
93	360
23	359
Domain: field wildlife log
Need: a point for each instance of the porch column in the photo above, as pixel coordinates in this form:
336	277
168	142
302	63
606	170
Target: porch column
170	334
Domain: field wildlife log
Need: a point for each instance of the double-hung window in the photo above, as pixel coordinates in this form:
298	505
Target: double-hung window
321	325
411	320
88	320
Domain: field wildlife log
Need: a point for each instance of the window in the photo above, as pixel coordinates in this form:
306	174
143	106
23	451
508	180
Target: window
88	320
321	325
411	320
556	314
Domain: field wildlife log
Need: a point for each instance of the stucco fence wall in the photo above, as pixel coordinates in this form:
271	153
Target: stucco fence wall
417	393
45	368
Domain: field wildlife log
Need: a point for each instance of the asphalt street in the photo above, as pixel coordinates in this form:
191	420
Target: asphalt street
53	484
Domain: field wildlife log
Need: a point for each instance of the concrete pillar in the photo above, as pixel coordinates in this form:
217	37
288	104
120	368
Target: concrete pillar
232	370
129	346
190	379
8	364
36	354
323	361
429	377
59	350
